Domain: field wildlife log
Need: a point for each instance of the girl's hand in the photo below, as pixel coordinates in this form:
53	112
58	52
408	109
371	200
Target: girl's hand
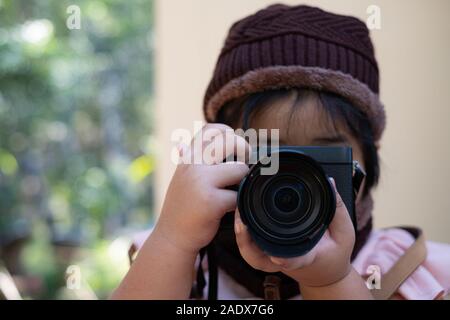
197	197
328	262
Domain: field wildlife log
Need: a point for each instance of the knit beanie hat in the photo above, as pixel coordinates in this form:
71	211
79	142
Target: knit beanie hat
298	47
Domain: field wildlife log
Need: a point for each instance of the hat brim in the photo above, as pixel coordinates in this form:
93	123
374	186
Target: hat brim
278	77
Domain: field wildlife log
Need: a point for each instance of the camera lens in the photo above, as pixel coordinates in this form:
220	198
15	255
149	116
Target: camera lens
287	212
287	199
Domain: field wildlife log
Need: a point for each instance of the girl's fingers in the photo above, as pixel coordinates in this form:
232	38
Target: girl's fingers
214	143
341	227
248	248
225	201
294	263
228	173
203	143
203	137
225	145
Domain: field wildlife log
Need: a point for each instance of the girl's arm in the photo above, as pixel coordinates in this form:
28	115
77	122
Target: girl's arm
160	271
348	288
195	202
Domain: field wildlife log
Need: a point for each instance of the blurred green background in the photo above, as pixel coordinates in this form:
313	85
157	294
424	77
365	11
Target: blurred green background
76	143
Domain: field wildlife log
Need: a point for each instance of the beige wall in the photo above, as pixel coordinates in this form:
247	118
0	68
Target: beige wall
413	51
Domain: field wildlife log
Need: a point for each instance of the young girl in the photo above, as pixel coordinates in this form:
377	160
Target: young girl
312	75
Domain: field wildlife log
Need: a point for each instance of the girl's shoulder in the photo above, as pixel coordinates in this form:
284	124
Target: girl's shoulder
431	280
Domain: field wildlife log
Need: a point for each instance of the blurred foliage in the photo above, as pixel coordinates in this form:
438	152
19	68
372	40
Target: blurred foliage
76	143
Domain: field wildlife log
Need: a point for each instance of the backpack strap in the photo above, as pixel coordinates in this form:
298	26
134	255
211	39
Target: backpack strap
404	267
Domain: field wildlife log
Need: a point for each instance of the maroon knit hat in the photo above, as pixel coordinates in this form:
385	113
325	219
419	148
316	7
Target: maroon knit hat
298	47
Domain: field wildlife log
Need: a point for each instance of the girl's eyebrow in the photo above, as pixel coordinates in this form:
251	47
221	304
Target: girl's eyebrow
330	139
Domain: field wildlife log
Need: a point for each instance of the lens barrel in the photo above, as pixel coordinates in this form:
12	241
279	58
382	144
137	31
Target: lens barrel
288	212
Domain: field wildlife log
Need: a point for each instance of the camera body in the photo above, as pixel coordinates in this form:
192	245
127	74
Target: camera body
288	212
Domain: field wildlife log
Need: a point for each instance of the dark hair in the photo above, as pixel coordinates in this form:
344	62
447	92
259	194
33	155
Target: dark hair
238	113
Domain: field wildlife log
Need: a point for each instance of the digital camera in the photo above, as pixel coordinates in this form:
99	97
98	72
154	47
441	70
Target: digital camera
288	212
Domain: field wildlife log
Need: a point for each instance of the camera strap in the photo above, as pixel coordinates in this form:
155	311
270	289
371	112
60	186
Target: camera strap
404	267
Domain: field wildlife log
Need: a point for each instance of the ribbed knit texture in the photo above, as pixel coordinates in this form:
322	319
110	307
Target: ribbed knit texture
282	35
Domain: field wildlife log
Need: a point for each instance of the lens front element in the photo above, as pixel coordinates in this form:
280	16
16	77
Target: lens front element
287	213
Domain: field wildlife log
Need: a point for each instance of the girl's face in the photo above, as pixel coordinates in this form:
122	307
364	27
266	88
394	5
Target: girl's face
305	125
